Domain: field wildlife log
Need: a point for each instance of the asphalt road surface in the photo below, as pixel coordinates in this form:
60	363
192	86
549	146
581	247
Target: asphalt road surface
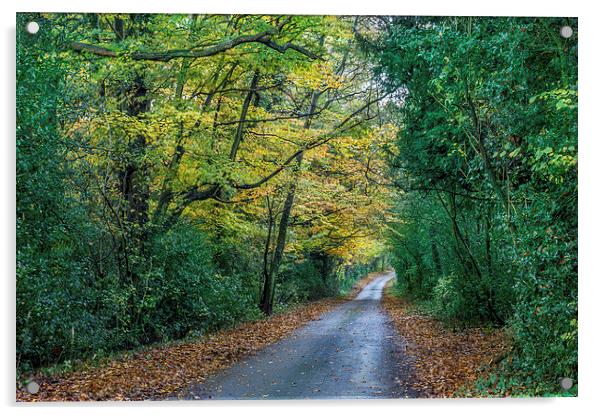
351	352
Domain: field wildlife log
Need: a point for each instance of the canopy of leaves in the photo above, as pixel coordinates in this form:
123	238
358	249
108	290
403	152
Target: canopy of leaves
172	168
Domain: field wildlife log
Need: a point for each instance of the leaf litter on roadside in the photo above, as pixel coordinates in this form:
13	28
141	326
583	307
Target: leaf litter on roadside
165	370
446	360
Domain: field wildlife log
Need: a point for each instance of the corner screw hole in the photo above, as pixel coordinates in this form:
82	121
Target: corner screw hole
32	28
566	31
566	383
32	387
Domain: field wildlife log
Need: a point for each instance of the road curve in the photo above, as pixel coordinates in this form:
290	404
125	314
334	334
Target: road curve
350	352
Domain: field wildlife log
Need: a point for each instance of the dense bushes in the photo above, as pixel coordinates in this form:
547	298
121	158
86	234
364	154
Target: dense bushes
52	272
183	290
67	312
72	312
463	278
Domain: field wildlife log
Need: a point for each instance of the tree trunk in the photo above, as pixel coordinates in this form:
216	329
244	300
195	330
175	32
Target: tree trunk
268	277
269	284
486	298
243	116
436	257
134	185
267	299
488	255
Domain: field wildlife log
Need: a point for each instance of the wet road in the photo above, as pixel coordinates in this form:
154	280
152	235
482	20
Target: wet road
351	352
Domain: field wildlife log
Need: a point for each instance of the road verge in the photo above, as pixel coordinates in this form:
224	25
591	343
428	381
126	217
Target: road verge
446	360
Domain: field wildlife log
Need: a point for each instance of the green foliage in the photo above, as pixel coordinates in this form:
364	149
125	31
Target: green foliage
319	276
182	291
133	221
146	210
487	158
449	299
51	267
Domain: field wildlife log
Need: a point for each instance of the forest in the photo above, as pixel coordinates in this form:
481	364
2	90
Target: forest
181	174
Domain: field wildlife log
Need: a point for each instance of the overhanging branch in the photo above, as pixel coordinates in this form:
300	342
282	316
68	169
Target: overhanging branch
263	38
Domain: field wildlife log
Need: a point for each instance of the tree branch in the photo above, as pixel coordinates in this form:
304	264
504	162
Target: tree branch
316	143
165	56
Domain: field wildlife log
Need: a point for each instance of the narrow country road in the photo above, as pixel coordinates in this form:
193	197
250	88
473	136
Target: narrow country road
351	352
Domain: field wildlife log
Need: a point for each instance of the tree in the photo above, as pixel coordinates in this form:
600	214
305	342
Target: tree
206	160
487	152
